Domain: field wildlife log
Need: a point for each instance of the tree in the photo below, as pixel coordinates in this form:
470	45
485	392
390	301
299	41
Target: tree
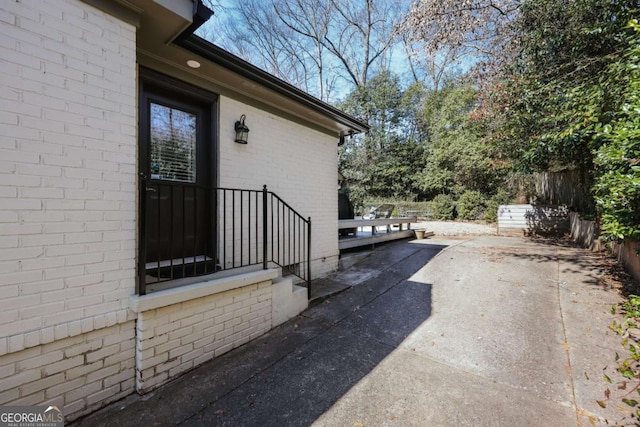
617	158
458	159
319	45
564	101
386	162
564	50
362	33
308	22
481	27
255	32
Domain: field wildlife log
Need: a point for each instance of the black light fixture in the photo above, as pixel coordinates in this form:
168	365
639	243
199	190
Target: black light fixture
242	131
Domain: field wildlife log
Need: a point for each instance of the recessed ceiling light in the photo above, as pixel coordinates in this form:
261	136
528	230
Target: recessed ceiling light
193	63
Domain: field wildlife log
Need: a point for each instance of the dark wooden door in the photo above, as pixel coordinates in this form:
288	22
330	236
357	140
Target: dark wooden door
177	167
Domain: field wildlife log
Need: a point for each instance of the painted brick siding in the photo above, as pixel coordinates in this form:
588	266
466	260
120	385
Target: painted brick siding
179	337
67	169
82	373
298	163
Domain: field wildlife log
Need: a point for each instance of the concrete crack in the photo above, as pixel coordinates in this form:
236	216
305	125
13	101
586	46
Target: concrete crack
566	344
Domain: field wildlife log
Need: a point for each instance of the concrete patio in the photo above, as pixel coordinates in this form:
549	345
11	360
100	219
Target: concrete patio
473	331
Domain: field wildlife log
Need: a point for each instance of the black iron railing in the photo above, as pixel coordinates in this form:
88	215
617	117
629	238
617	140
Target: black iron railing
189	230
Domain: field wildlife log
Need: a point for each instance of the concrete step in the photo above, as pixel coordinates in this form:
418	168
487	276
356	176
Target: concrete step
300	298
288	300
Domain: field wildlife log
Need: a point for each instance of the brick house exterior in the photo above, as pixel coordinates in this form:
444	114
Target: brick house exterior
73	330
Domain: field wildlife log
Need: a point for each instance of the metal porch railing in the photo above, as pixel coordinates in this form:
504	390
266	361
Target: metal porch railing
189	230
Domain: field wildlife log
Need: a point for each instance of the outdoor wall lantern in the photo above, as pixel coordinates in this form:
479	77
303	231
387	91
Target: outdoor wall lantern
242	131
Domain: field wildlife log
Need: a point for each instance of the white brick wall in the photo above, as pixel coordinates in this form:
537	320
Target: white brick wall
178	337
81	373
67	163
296	162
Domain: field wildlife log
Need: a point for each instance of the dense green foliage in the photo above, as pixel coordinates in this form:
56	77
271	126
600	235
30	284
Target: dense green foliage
617	158
569	101
384	163
457	158
539	111
443	207
502	197
422	143
471	205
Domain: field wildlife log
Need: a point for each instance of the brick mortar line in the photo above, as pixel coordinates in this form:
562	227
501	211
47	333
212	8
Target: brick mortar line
122	316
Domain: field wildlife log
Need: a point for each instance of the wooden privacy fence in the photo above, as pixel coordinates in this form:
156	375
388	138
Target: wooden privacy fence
568	188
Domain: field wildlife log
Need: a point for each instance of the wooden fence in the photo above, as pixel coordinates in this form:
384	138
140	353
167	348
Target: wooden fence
568	188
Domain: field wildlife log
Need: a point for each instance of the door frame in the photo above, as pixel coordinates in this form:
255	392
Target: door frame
154	85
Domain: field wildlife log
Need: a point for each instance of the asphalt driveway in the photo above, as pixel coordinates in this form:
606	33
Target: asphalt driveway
477	331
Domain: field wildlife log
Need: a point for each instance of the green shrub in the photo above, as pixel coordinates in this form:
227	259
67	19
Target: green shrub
617	159
471	205
502	197
443	207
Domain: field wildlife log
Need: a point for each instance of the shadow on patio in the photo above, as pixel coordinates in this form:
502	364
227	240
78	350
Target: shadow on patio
296	372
